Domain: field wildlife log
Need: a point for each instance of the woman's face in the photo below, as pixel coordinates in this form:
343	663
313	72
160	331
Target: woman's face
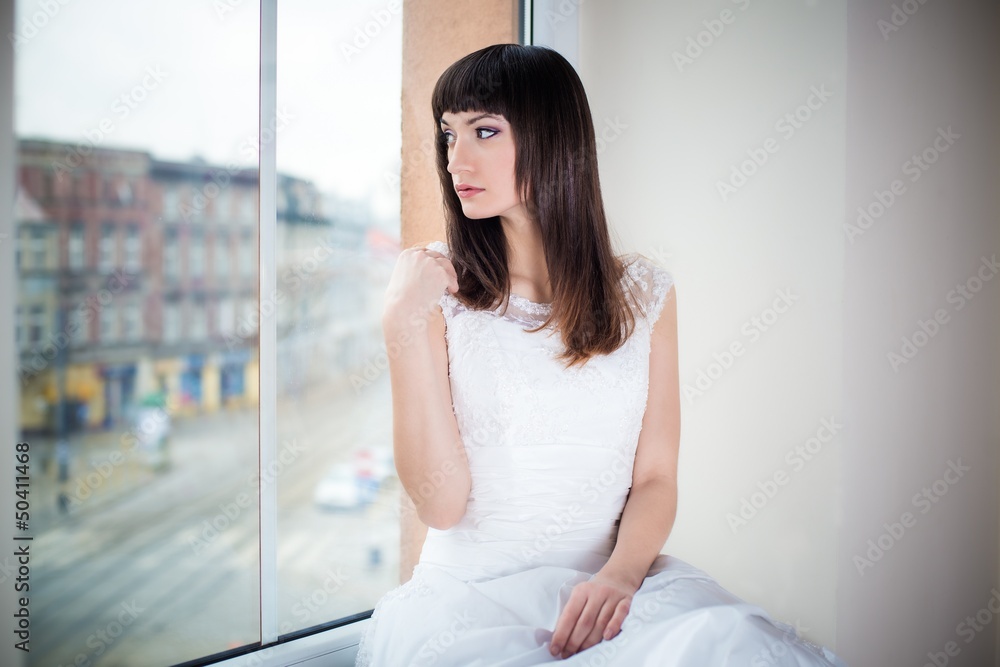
481	157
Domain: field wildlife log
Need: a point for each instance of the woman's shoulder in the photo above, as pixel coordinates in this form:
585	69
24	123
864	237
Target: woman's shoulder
650	279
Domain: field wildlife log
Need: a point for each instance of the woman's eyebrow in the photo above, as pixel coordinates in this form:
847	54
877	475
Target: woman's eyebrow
472	120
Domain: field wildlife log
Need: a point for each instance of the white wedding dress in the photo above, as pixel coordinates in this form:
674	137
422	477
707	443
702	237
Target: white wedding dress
551	453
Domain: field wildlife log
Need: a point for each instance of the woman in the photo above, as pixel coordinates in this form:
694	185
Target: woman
536	410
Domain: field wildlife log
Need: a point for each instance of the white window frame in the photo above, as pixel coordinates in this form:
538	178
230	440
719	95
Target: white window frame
555	24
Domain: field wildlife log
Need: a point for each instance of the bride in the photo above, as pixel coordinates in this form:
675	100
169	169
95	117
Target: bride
536	411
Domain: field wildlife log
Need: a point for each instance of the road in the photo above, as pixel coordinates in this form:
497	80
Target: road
168	572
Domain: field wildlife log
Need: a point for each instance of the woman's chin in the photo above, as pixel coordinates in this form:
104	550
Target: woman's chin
475	213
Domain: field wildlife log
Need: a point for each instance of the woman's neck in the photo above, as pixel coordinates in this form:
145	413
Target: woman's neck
529	275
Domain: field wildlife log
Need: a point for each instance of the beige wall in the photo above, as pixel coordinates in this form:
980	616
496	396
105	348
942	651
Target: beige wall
679	132
436	33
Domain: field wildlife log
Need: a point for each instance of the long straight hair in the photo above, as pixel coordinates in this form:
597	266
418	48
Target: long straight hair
540	94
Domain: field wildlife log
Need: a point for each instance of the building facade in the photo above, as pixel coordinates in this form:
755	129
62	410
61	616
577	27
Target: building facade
139	278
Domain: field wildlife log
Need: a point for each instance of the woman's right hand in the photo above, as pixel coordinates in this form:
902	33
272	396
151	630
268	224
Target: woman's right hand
418	280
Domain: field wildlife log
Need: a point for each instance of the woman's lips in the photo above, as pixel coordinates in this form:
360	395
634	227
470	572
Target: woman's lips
469	192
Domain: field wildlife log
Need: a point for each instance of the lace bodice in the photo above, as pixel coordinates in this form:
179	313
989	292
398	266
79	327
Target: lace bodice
542	438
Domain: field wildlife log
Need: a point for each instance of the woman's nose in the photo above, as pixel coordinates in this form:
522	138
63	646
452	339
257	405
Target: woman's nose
458	157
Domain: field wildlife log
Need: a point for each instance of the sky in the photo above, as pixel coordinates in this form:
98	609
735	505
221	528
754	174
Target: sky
180	79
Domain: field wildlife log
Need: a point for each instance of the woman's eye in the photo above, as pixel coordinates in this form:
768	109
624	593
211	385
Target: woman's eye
449	138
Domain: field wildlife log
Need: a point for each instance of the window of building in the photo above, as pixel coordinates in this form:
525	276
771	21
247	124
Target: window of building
171	255
196	254
227	316
197	319
246	254
77	247
248	207
171	322
171	203
132	322
109	324
223	206
77	327
38	324
39	249
107	250
221	257
133	249
18	327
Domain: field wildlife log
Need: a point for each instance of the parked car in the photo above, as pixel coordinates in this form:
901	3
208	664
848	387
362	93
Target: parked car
341	488
375	461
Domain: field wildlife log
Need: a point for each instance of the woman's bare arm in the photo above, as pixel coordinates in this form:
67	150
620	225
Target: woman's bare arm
412	533
429	454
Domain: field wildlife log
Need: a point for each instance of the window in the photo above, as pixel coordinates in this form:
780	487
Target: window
19	327
37	325
171	322
132	322
196	254
171	207
227	316
197	319
77	327
133	249
173	379
221	258
223	209
109	324
39	247
171	255
247	248
182	571
106	251
248	212
77	258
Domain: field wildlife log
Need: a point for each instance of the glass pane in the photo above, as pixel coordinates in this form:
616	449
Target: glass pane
338	147
134	120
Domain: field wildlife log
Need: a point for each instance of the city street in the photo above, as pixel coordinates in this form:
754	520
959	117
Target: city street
167	571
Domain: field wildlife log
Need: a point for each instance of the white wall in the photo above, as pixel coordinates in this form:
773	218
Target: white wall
681	128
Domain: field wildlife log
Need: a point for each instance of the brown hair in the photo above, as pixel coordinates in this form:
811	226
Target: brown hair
540	94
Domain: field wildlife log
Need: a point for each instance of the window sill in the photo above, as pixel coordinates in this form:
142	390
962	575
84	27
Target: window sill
332	648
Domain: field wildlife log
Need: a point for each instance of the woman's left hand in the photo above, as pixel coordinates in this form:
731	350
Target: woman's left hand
595	610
